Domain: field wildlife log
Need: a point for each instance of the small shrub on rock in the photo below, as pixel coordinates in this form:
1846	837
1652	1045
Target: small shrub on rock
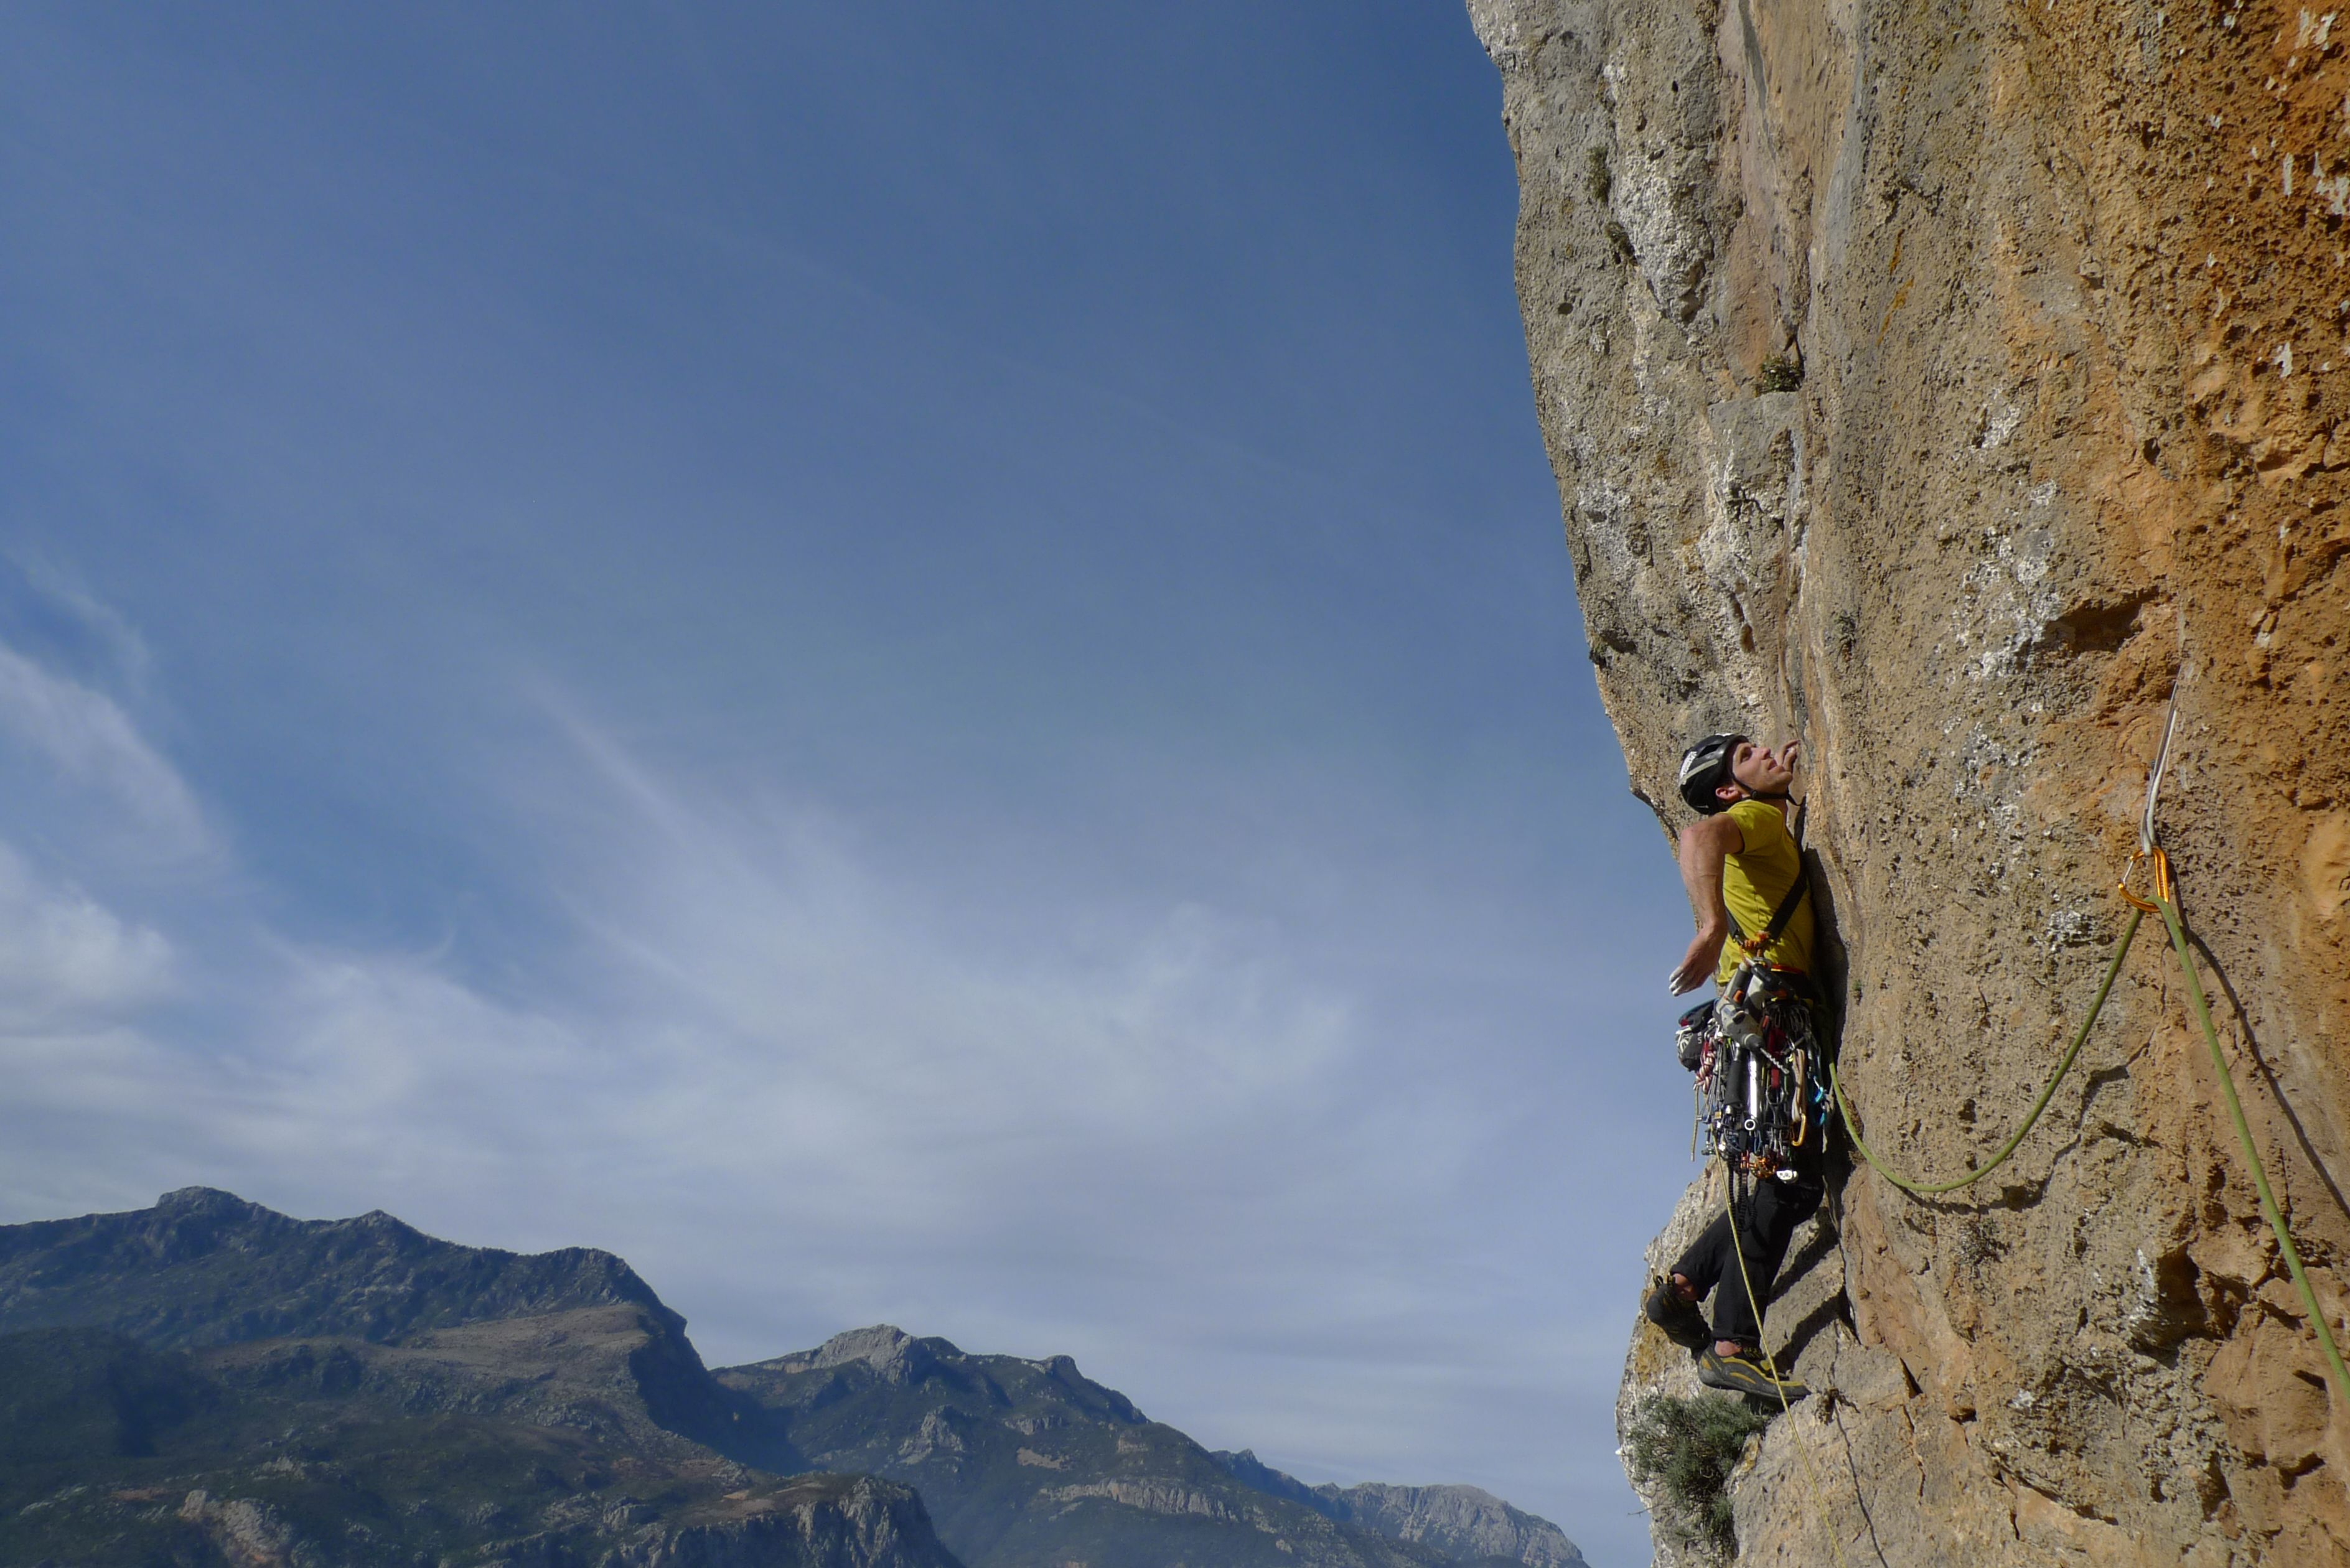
1685	1450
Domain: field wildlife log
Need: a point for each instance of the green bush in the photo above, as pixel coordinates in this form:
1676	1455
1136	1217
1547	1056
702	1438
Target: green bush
1686	1448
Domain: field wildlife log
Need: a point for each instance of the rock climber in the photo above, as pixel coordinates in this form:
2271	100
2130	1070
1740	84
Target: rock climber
1739	860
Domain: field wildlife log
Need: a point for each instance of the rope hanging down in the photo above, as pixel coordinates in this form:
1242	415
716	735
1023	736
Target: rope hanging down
2121	950
2166	904
1771	1365
2166	901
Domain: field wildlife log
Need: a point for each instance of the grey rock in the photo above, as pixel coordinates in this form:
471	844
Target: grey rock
1026	1461
1939	384
1463	1522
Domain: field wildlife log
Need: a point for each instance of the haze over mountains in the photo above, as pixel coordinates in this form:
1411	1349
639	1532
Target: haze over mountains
209	1382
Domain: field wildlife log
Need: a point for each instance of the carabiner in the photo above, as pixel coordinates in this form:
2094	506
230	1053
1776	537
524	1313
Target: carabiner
2162	885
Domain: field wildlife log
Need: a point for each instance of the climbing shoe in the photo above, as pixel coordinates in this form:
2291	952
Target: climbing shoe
1665	1306
1745	1374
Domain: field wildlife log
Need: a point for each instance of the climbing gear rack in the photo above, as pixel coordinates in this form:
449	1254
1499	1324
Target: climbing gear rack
1761	1092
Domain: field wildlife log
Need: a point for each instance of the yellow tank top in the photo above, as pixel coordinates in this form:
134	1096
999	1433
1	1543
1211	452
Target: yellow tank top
1755	879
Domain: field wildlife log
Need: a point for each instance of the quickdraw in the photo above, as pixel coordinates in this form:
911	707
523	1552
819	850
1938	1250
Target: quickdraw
1760	1094
2164	904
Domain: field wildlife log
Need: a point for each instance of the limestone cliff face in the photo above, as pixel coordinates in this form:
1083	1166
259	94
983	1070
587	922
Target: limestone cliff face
1943	381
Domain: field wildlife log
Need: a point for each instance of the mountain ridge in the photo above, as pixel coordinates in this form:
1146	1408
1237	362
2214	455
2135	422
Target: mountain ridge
251	1382
1469	1516
1014	1454
112	1452
370	1277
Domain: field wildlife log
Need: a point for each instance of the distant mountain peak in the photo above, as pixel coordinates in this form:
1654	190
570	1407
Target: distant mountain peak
889	1352
1027	1460
182	1198
1464	1520
205	1267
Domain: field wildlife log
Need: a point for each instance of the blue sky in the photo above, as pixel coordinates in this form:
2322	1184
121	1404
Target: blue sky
910	662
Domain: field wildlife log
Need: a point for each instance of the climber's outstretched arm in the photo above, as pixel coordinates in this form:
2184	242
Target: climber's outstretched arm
1704	845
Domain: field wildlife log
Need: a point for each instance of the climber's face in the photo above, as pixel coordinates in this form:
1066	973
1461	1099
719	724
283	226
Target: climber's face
1761	771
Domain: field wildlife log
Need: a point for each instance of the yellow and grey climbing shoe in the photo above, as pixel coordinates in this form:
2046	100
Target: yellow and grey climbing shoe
1745	1374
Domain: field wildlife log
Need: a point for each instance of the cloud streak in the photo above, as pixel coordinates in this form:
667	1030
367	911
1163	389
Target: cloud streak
93	745
66	960
749	1006
757	1025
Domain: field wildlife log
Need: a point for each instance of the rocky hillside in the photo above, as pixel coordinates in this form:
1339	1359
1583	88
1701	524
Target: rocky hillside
570	1338
204	1267
1029	1462
1950	385
1464	1520
300	1457
207	1382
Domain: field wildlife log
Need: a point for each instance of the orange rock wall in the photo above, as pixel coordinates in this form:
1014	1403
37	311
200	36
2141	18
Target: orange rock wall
2067	291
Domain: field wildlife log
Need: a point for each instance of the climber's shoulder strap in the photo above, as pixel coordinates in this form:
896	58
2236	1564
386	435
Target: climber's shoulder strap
1786	909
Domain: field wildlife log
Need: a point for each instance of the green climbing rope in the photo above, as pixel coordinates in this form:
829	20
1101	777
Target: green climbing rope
2268	1209
2063	1066
2167	903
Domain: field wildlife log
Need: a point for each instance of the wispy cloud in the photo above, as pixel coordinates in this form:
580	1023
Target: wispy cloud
86	737
750	1008
787	1012
852	1010
98	625
758	1031
66	961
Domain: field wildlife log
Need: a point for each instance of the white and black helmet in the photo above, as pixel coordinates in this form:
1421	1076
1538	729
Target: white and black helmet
1705	767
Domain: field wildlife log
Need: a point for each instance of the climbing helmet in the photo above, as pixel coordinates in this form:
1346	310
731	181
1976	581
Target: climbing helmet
1705	767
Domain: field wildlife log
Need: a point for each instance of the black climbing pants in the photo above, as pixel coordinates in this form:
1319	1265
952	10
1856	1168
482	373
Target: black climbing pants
1766	1224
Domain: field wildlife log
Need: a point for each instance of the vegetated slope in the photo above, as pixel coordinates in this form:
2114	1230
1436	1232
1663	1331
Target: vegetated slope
571	1336
247	1388
1028	1461
113	1453
1952	385
208	1381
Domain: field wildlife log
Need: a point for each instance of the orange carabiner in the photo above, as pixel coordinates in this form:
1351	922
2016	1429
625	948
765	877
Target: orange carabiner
2162	888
